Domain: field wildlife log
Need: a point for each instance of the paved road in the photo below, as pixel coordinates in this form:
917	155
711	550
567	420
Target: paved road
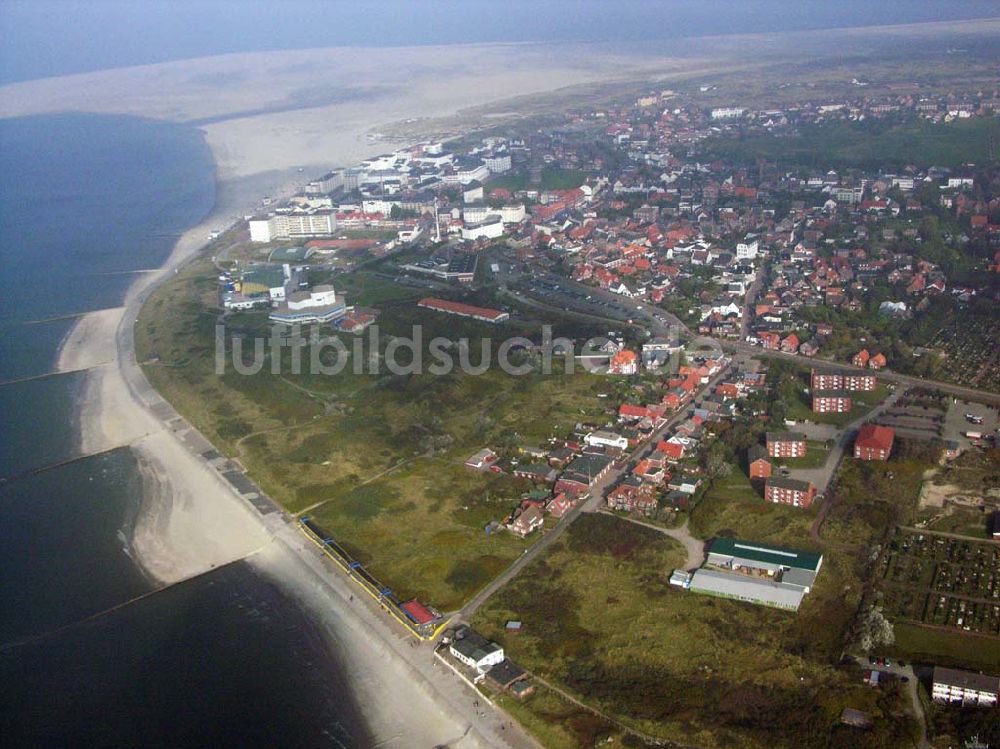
823	475
916	707
750	299
485	723
694	547
960	391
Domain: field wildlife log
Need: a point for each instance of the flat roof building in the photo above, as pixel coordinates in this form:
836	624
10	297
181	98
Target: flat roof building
745	588
966	687
755	573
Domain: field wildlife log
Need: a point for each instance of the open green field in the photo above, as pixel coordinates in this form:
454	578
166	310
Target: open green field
601	620
870	497
815	457
880	144
732	507
964	521
559	724
962	650
375	459
799	407
553	178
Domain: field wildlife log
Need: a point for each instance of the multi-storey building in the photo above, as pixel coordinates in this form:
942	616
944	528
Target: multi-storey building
786	444
873	442
292	225
965	687
792	492
831	401
850	381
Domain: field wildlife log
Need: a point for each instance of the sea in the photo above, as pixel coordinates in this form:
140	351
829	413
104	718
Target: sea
93	654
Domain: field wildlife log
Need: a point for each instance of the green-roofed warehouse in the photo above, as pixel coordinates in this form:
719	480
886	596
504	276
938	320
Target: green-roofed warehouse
731	553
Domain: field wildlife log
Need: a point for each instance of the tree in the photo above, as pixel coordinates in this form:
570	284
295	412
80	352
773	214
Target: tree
875	630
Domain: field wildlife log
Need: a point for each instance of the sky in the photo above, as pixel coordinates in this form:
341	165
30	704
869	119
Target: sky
44	38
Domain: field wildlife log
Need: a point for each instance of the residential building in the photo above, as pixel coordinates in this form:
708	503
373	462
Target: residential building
787	491
747	250
541	472
760	466
527	522
624	362
474	650
965	687
786	444
482	460
831	401
873	442
603	438
850	381
282	226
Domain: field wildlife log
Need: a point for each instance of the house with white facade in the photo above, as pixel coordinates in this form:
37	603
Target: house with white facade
474	650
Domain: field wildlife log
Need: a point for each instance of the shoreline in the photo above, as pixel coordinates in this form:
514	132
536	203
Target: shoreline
191	520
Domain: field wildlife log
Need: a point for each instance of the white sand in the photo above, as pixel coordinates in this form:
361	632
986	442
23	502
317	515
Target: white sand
409	698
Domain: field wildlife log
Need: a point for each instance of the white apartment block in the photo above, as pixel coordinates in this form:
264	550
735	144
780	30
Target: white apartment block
498	163
747	250
465	175
965	687
727	113
513	214
291	225
490	227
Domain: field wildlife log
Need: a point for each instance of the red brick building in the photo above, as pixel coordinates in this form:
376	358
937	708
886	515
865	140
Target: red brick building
873	442
786	444
760	466
850	381
860	382
820	380
789	492
831	402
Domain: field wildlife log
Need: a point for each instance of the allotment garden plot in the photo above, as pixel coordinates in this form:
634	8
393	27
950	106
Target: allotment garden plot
942	581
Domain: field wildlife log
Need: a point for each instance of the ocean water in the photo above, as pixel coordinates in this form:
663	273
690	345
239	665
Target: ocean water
91	654
53	37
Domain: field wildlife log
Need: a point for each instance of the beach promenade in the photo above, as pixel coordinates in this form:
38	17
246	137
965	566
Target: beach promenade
200	512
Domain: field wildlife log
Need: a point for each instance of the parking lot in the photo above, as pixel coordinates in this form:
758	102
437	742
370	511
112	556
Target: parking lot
956	425
569	295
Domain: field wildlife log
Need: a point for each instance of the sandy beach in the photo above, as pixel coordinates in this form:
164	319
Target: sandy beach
192	520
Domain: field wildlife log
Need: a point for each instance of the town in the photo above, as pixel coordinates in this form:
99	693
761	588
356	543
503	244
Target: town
789	425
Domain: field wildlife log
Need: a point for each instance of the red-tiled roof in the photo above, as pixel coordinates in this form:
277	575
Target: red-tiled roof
874	437
444	305
417	611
